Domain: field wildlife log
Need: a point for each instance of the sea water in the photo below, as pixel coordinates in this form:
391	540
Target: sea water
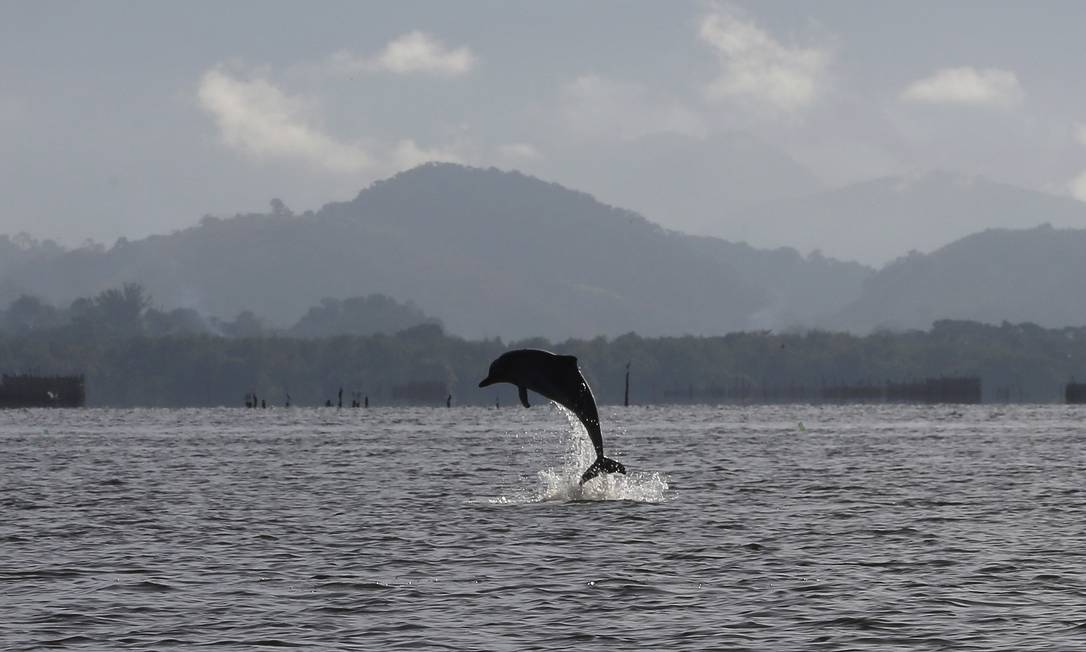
786	527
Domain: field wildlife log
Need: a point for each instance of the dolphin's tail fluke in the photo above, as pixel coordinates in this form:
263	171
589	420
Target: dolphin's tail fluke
602	465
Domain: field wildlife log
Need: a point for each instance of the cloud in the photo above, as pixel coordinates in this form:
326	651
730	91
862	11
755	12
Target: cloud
257	118
595	107
966	85
519	152
407	154
413	53
1078	187
757	68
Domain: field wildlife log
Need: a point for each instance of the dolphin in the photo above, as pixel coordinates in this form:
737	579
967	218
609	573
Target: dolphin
557	378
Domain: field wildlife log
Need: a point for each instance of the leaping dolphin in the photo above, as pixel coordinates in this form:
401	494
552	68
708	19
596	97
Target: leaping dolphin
557	378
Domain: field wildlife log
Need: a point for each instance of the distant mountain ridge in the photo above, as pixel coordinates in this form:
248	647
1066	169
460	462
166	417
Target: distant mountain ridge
1033	275
493	253
876	221
488	252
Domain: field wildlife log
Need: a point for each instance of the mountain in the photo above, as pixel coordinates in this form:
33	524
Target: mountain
1033	275
487	252
876	221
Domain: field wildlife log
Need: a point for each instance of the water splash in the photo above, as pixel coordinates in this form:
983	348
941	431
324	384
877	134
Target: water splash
558	485
563	483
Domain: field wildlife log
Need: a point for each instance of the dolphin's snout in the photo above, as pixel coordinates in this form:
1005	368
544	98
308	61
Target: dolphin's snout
486	381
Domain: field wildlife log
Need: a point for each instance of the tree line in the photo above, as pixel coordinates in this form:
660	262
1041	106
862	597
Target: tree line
129	311
135	355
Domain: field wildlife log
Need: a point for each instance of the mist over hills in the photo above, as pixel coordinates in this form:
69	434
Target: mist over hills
876	221
1033	275
492	253
710	181
488	252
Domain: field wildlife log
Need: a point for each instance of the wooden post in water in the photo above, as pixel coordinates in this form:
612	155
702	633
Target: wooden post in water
626	396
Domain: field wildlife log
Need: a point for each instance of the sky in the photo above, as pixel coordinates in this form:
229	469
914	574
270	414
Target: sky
135	118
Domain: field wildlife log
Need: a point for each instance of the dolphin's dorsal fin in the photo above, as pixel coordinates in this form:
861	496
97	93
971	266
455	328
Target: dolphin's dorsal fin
571	359
523	392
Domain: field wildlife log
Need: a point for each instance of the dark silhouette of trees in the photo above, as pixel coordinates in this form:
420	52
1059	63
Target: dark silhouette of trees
246	324
132	354
176	322
121	310
29	313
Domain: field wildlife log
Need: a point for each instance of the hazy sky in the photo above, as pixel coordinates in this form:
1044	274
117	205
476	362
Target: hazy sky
133	118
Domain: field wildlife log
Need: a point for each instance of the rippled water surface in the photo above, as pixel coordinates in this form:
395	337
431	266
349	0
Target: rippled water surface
786	527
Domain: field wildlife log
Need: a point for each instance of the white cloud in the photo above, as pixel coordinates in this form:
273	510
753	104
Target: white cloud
595	107
967	86
407	154
1078	187
256	117
413	53
519	152
757	68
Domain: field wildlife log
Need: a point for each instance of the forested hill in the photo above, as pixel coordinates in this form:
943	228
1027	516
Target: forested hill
1033	275
488	252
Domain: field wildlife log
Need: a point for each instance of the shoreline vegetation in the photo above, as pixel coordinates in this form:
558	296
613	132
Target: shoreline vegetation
131	356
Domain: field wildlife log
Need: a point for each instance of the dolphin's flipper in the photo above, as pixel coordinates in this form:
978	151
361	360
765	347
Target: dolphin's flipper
523	392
